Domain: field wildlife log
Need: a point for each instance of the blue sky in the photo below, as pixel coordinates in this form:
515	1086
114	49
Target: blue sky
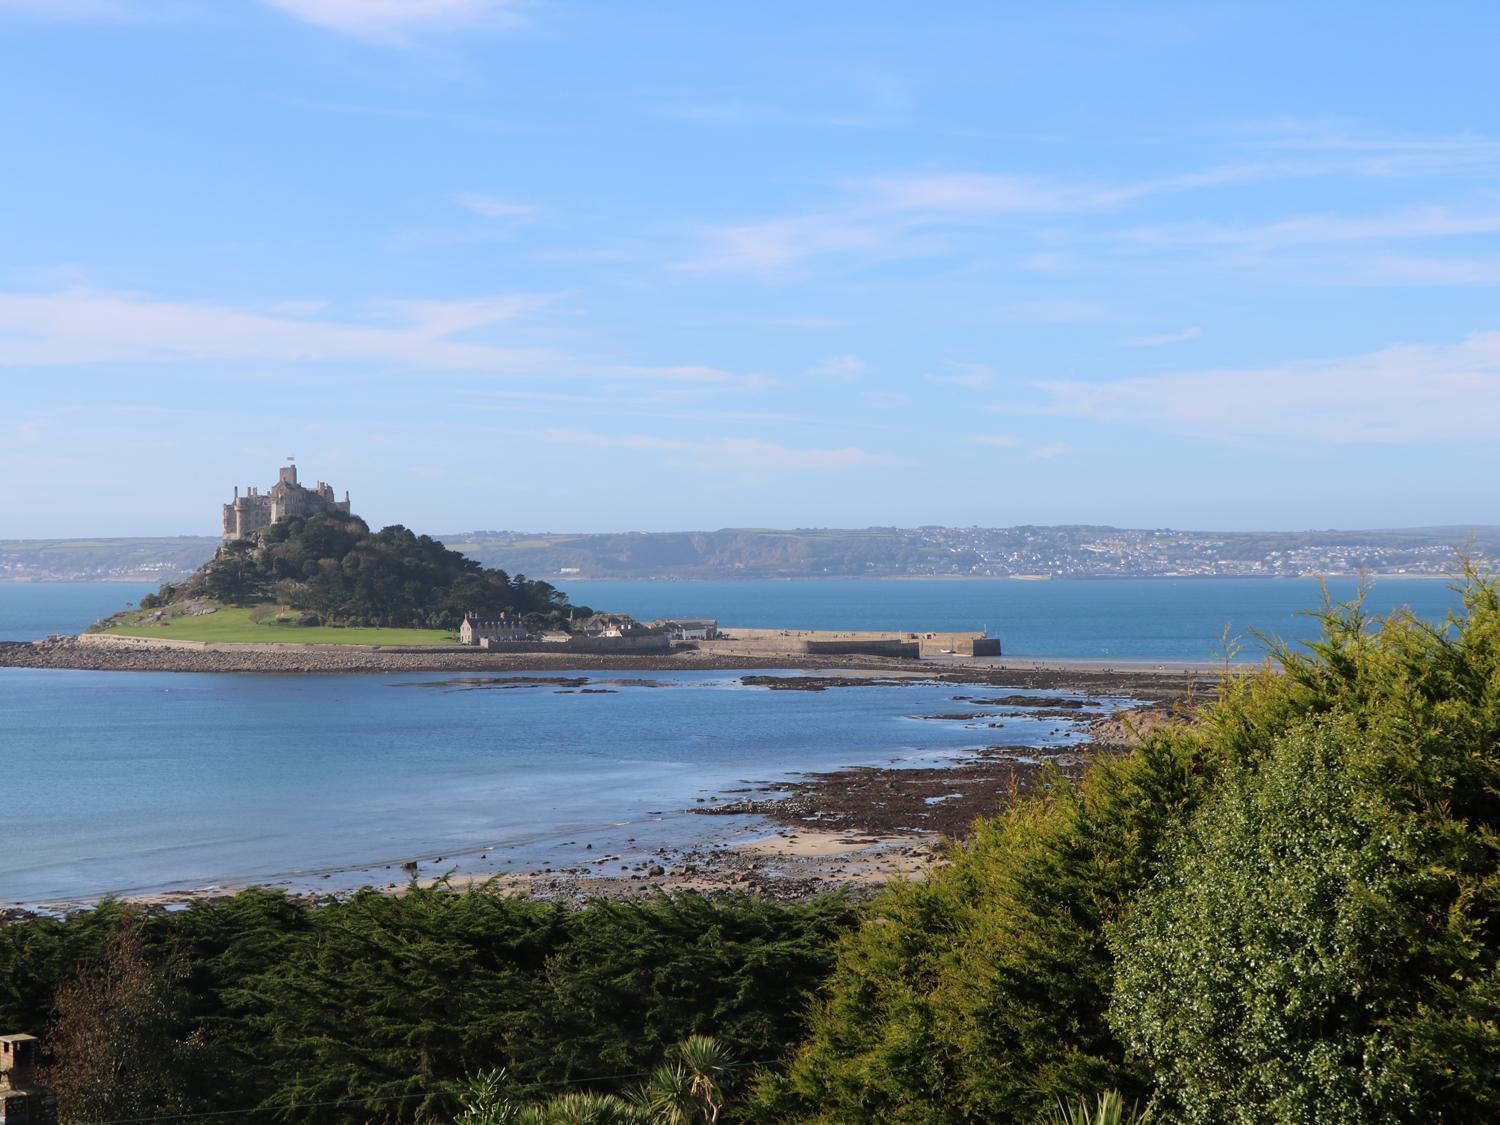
553	265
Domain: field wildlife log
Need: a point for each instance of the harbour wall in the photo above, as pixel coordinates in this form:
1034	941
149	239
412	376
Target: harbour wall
767	642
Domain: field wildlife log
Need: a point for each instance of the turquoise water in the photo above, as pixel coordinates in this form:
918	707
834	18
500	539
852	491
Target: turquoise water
1120	619
137	782
30	610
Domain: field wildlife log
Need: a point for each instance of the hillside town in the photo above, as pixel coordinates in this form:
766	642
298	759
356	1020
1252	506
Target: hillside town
1060	552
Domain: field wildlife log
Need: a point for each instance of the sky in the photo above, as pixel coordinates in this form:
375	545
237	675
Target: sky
553	265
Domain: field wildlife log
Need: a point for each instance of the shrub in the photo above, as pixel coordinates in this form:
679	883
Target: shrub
1321	944
1290	912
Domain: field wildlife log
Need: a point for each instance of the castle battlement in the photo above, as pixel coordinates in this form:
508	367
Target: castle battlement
244	515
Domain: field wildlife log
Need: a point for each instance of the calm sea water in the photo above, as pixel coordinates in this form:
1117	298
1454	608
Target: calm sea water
136	782
30	610
1117	619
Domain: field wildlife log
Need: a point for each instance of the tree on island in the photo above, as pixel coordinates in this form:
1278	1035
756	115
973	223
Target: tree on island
335	570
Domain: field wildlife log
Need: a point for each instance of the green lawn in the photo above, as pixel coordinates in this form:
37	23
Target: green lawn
232	623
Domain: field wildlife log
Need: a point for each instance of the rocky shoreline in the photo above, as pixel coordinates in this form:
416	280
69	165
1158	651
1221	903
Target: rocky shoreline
853	830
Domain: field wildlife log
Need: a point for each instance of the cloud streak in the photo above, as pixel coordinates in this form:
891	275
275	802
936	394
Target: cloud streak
86	327
493	207
751	455
894	216
397	21
1401	395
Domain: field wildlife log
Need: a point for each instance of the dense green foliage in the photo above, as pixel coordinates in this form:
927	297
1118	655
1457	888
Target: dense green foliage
1323	941
336	570
383	1004
982	992
1285	914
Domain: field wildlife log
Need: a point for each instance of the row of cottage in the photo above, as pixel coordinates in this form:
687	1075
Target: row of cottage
509	628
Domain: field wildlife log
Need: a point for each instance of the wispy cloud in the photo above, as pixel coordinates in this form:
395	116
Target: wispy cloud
1063	311
1158	339
842	368
1033	451
448	318
886	216
85	327
774	245
1407	246
70	9
398	21
1373	153
1400	395
973	376
1430	221
746	454
493	207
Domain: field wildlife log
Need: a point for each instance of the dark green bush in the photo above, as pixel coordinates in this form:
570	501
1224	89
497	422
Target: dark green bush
383	1003
1287	913
1321	943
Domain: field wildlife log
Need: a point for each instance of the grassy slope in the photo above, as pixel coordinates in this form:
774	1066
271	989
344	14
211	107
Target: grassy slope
232	623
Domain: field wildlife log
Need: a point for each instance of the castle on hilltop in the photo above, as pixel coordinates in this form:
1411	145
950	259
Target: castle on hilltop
247	514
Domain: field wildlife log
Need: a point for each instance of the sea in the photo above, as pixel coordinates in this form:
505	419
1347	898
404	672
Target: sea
140	783
1142	619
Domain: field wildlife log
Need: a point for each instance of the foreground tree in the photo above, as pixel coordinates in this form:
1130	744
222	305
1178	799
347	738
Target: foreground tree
1322	942
1288	913
114	1046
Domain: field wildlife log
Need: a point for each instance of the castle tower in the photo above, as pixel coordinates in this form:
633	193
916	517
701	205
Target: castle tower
22	1101
247	514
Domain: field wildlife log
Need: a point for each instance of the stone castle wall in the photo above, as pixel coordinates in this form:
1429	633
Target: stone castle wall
245	515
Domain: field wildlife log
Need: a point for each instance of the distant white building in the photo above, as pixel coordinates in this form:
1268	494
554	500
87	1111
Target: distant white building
507	627
687	630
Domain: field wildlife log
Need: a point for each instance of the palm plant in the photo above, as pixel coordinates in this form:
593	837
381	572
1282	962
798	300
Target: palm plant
582	1108
686	1089
1107	1108
689	1086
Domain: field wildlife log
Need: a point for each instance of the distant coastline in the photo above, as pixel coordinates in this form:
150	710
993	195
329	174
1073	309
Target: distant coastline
977	578
1050	553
